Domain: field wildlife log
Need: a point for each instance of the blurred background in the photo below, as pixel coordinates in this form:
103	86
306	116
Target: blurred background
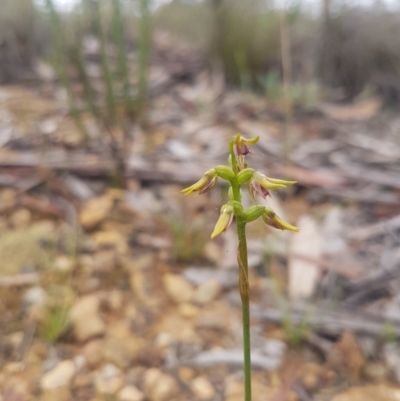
110	286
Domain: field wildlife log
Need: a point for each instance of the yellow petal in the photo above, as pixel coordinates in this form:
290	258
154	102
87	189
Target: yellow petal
224	220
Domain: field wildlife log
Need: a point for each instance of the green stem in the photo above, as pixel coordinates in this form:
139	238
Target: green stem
243	280
244	293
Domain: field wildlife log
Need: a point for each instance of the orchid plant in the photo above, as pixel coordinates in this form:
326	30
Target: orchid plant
239	174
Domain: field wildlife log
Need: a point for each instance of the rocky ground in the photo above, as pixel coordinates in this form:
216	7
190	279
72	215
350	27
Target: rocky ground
119	294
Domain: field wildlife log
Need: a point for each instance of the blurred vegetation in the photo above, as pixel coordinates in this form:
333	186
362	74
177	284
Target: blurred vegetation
346	47
189	236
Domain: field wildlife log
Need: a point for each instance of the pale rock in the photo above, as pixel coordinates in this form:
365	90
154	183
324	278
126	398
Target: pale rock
178	289
92	326
122	351
35	296
73	138
202	388
80	362
130	393
21	218
60	376
95	211
186	374
111	238
64	264
92	352
206	292
188	311
159	386
164	340
109	380
85	318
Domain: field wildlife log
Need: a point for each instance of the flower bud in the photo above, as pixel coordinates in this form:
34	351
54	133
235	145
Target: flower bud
225	173
270	218
224	221
245	175
253	213
241	145
208	181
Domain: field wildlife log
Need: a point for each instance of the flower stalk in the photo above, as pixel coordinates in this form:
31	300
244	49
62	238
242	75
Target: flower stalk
258	184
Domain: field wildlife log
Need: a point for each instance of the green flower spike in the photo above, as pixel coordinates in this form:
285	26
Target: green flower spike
237	175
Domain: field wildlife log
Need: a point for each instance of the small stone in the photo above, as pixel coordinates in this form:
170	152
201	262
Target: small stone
109	380
164	340
188	311
202	388
85	318
186	374
35	296
60	376
207	292
274	347
92	352
73	138
64	264
130	393
80	362
95	211
159	386
122	351
111	238
177	288
21	218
